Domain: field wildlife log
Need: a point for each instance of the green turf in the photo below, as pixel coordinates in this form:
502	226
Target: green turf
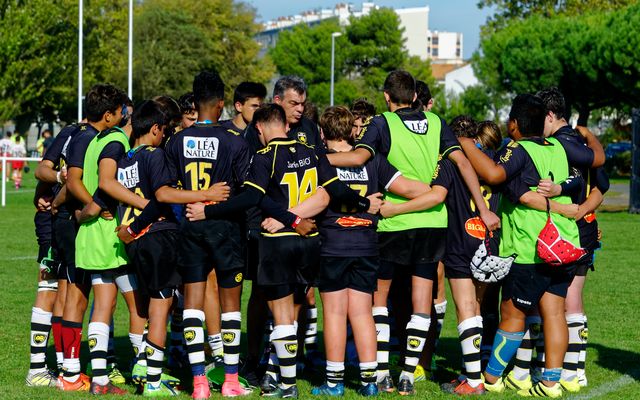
611	300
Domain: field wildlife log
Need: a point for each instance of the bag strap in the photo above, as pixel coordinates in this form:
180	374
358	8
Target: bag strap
548	207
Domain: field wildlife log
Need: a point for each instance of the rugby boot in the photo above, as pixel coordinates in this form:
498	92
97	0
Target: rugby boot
497	387
464	389
368	390
450	387
200	387
512	383
385	385
44	378
81	385
540	390
405	388
289	393
232	387
268	384
109	388
163	391
572	385
325	389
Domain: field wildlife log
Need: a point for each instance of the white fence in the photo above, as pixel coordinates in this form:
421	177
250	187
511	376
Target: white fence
4	169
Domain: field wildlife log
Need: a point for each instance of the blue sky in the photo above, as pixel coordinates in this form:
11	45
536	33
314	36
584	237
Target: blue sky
461	16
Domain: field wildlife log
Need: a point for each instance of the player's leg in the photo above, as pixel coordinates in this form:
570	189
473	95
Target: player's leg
230	288
159	305
105	293
490	313
574	313
56	320
519	378
364	333
428	359
381	319
177	357
74	309
418	326
212	315
335	306
193	318
138	306
311	330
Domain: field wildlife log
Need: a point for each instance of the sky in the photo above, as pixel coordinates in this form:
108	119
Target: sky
460	16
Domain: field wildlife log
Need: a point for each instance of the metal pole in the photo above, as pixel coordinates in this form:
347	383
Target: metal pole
130	91
333	51
80	18
4	181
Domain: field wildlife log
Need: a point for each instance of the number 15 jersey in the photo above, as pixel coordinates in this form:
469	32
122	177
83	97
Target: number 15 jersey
204	154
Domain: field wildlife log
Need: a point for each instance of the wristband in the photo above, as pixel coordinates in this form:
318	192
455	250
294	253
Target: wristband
296	222
58	177
131	232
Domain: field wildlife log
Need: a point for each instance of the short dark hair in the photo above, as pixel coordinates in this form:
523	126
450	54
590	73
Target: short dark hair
464	126
310	111
248	90
172	109
362	108
554	100
186	103
423	92
145	115
102	98
271	113
285	83
530	113
401	87
488	135
336	123
208	90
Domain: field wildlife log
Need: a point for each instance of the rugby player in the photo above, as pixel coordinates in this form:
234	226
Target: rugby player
5	151
188	109
410	244
519	163
288	172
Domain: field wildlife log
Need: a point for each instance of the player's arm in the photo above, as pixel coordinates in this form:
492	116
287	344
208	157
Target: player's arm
593	201
311	206
569	187
249	198
408	188
594	144
469	176
46	173
107	169
217	192
41	199
601	180
533	200
435	196
75	187
350	158
489	171
89	212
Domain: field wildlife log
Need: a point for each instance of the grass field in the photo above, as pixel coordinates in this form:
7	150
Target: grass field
612	301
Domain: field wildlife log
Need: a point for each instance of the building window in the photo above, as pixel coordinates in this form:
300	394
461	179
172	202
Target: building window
435	40
458	40
435	52
428	39
457	52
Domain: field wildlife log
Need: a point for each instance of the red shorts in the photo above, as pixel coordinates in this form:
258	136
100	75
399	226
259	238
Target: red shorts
17	164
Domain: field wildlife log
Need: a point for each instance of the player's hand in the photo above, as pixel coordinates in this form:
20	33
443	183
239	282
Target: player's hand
63	175
375	201
388	209
78	215
490	219
106	214
571	211
305	226
124	235
580	213
547	188
44	203
218	192
272	225
195	212
599	234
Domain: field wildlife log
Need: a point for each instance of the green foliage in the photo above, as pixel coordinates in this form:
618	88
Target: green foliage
590	57
371	46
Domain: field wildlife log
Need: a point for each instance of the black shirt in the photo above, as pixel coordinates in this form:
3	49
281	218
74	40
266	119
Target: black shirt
465	230
375	135
289	172
345	233
305	131
143	172
78	146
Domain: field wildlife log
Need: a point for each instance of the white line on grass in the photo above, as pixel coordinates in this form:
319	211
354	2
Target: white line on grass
17	258
607	387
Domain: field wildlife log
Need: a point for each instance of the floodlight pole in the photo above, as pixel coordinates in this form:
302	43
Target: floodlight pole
334	35
80	19
130	89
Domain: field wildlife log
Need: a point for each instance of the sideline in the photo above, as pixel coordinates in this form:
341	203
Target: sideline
607	387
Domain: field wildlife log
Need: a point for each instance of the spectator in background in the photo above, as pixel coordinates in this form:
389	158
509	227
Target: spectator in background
6	145
48	140
18	150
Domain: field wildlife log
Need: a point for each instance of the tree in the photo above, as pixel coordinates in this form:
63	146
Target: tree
371	46
228	28
589	57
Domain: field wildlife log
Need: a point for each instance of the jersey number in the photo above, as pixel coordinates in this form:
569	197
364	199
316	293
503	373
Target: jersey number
486	195
298	194
198	173
126	220
362	189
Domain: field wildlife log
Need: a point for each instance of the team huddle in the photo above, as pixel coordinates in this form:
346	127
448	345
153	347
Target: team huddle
174	208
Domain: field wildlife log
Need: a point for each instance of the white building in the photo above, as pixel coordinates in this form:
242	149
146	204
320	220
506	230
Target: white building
458	80
440	47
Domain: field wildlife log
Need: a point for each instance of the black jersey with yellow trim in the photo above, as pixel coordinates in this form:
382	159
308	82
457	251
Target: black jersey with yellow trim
346	232
289	172
204	154
375	135
304	131
465	230
143	171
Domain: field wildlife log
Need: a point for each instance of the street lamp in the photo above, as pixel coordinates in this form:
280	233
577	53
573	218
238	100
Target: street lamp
334	35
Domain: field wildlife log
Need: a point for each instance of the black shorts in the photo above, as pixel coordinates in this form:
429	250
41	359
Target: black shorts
251	255
527	283
390	270
457	272
64	230
357	273
205	245
154	258
78	275
288	260
43	251
413	246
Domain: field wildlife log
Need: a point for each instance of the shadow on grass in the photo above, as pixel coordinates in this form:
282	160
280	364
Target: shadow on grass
621	361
